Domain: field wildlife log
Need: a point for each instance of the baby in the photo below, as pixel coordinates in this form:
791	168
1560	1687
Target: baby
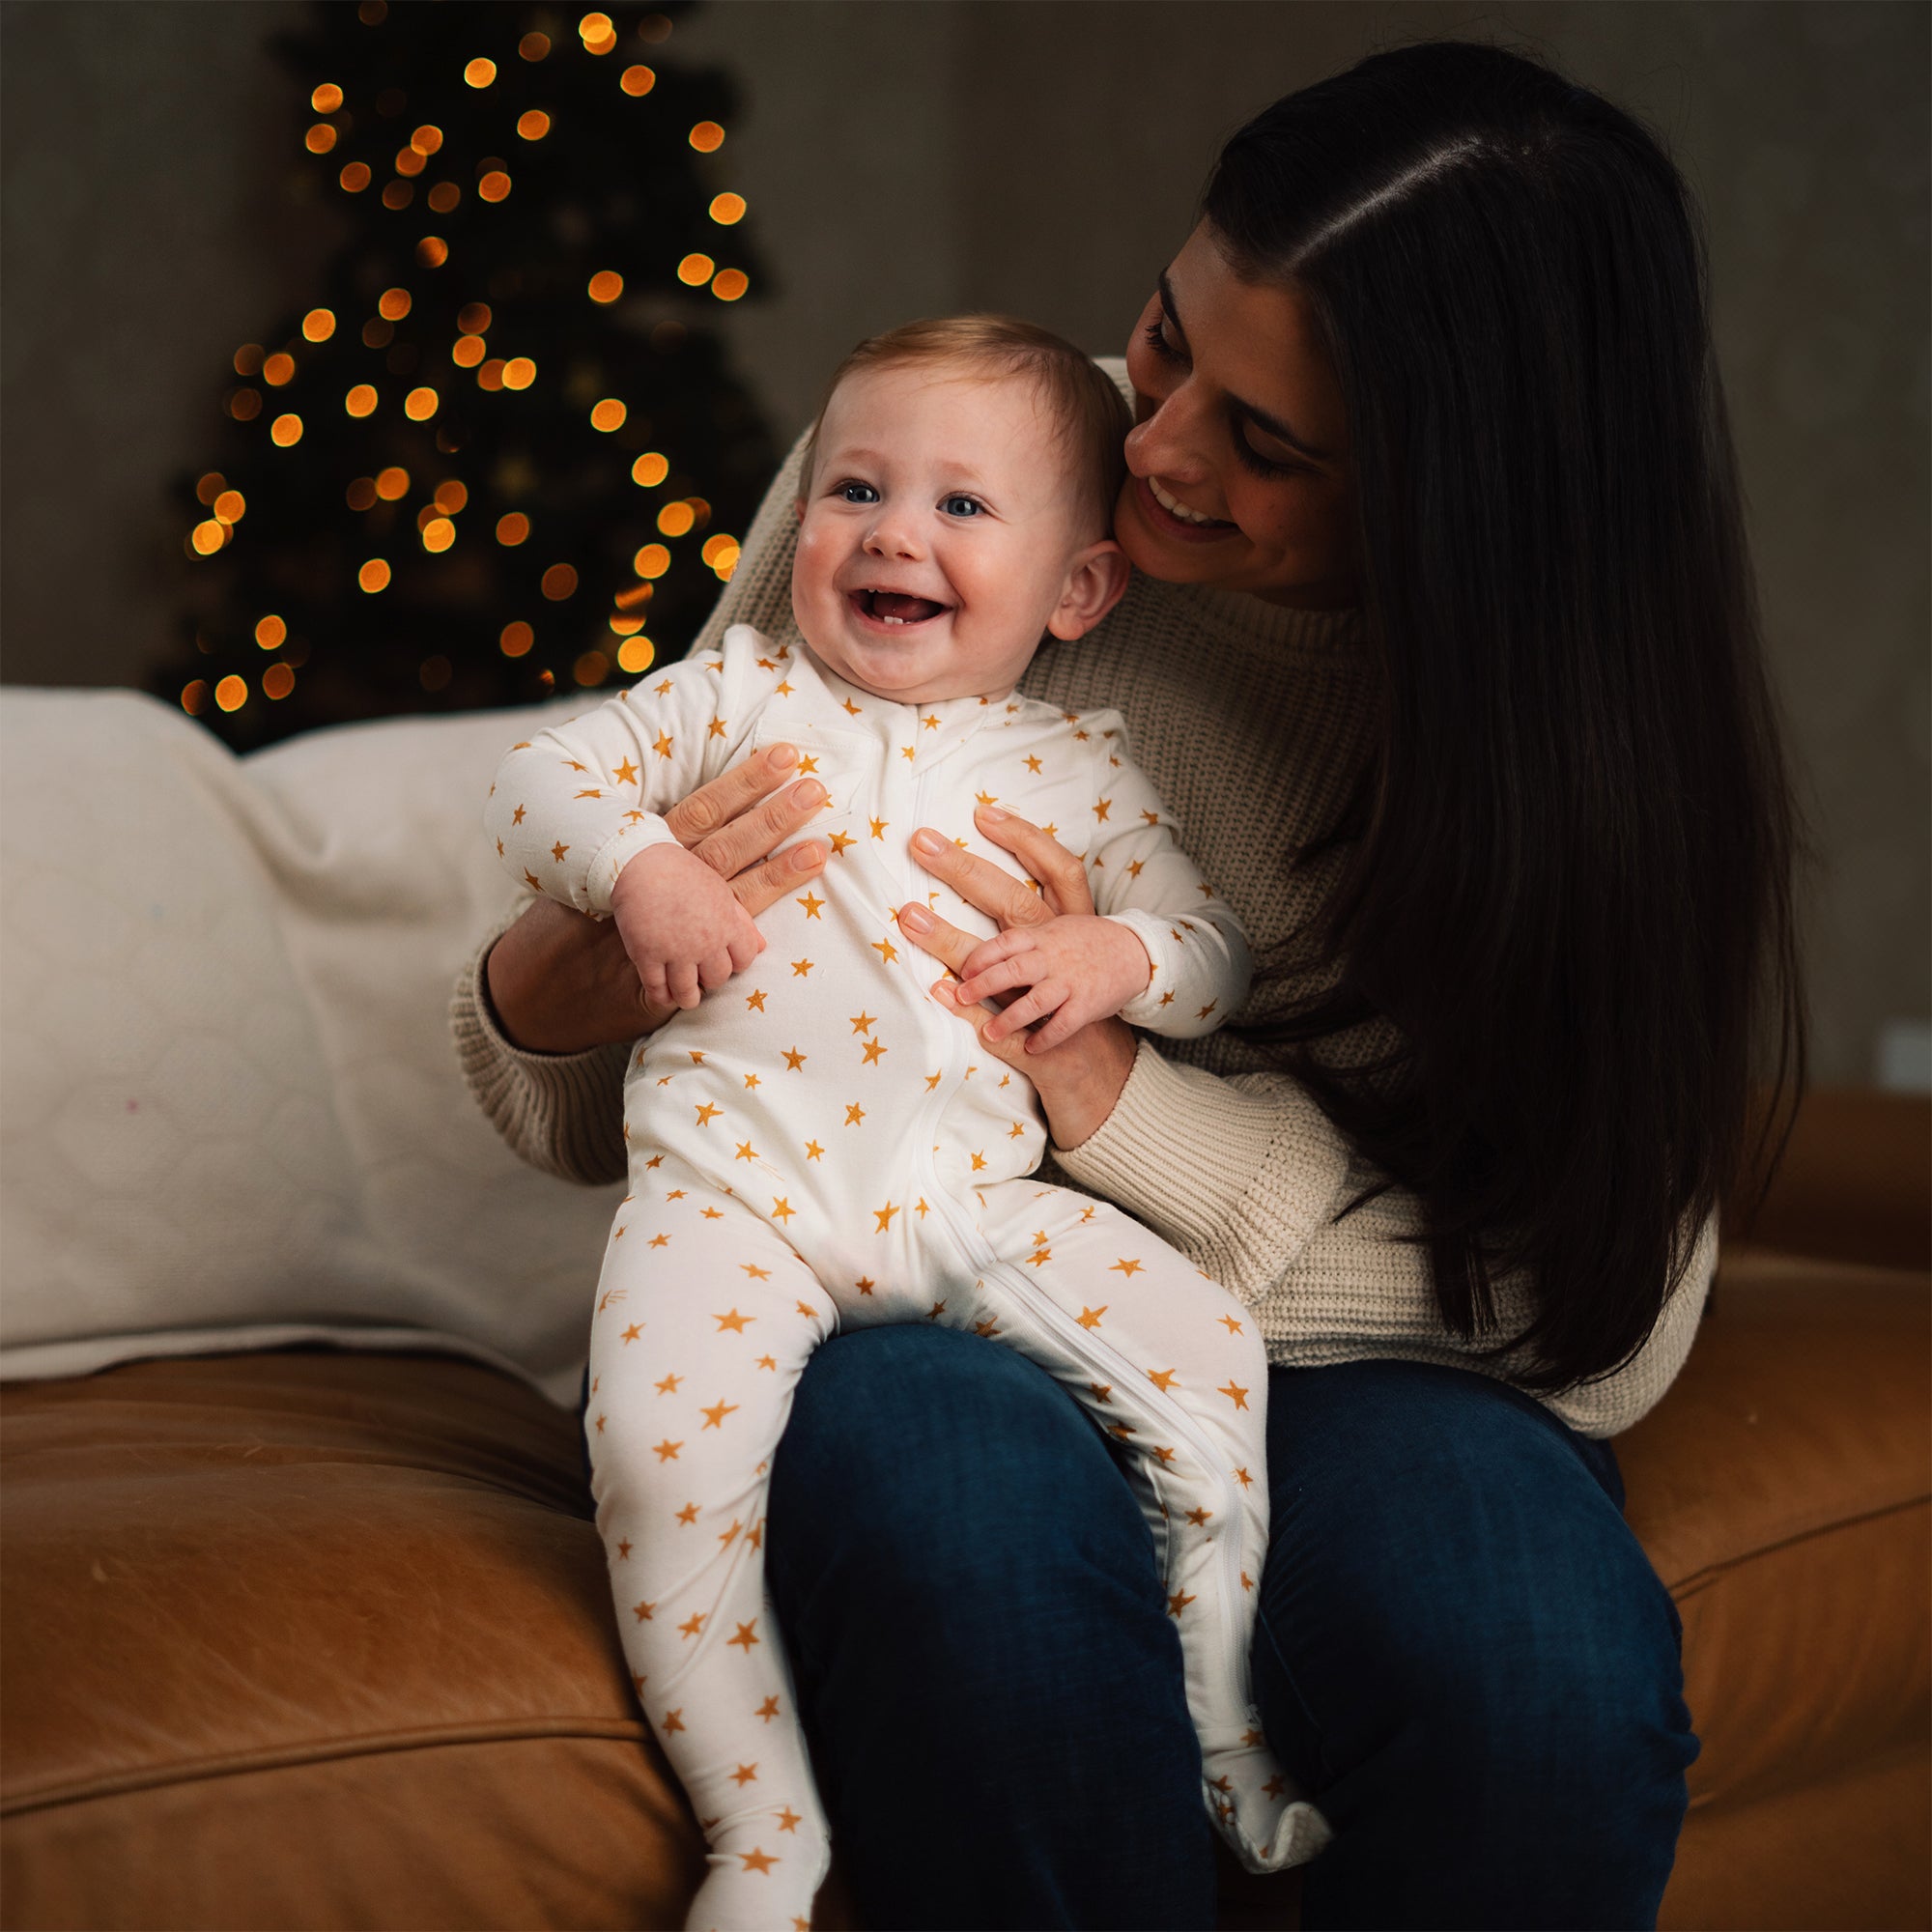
815	1142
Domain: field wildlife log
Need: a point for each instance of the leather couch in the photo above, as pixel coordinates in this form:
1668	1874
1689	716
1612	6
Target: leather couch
304	1637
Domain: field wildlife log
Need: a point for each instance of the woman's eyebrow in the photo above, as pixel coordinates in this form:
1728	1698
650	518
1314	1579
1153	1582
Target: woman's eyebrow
1262	420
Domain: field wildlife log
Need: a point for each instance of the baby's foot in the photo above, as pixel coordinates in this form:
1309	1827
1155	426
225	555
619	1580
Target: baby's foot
1265	1821
757	1882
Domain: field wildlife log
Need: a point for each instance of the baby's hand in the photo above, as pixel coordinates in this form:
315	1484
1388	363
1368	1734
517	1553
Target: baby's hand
1080	968
681	924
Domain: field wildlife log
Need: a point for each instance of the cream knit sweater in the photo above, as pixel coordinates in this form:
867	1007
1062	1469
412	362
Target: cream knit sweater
1250	720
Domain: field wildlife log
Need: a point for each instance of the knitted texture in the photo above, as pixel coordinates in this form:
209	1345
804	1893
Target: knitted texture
1252	721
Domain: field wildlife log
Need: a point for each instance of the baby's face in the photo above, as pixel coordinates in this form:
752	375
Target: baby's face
940	530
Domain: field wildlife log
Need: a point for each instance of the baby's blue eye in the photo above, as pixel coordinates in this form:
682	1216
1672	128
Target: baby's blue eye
962	506
858	493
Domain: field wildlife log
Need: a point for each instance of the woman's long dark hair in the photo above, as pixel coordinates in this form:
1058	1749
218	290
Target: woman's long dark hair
1568	871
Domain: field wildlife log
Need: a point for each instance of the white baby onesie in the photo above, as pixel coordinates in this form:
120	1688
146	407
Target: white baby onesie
821	1145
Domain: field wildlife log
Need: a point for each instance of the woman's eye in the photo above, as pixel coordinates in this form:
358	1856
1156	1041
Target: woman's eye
1155	335
962	506
858	493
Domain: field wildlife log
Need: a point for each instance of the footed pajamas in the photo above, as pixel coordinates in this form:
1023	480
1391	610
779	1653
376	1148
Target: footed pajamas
821	1145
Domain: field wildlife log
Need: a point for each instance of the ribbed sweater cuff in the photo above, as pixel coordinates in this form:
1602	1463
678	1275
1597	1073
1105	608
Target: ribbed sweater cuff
1180	1151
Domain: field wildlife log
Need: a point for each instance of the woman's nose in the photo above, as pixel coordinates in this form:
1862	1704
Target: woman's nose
1170	443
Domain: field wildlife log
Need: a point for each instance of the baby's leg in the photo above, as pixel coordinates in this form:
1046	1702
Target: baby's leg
704	1320
1172	1367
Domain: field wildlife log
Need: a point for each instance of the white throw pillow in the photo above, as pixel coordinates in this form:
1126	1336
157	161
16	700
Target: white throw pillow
230	1111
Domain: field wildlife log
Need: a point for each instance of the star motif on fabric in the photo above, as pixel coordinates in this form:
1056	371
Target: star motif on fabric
660	1241
673	1720
1242	1477
751	1081
714	1416
1274	1787
850	706
989	1327
907	753
1100	1391
878	826
1090	1318
666	1450
1177	1603
1165	1455
782	1209
733	1321
1033	764
626	773
884	1216
1237	1395
632	1333
768	1710
1161	1378
840	841
593	792
1229	1323
768	1362
930	721
807	763
571	765
745	1774
886	950
757	1273
1247	1581
688	1514
873	1050
731	1535
692	1624
757	1861
557	851
1124	1267
794	1059
853	1114
864	1284
862	1022
712	1214
1101	808
812	903
1167	998
755	1000
706	1114
662	746
782	689
746	1152
978	1161
1207	1010
624	1550
814	1151
790	1821
663	688
717	728
1198	1516
746	1636
669	1386
644	1612
1040	1256
801	969
532	880
517	816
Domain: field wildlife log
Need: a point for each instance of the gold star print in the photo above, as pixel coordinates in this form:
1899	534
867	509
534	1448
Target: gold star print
1229	1323
801	969
757	1273
840	841
755	1000
768	664
1134	867
1040	1256
768	1362
806	764
712	1214
1161	1378
517	816
782	689
731	1535
668	1451
660	1241
675	1194
906	751
878	826
662	689
1197	1517
706	1114
1090	1318
1274	1787
717	728
692	1624
499	848
1242	1477
989	1327
1253	1738
1207	1010
886	950
1247	1581
1177	1603
688	1514
673	1720
789	1820
1087	1213
1165	1455
930	721
1124	1267
853	1114
884	1216
1102	809
532	880
664	743
593	792
862	1022
782	1209
1015	1131
873	1050
794	1059
978	1161
768	1710
811	904
1122	1430
733	1321
1100	1391
1167	998
757	1861
1237	1396
864	1284
746	1636
600	1425
751	1081
745	1774
850	706
814	1151
632	1333
937	1308
626	773
714	1416
571	765
624	1550
923	1209
746	1152
669	1386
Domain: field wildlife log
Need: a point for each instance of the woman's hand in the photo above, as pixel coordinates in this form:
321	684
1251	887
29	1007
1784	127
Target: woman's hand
560	981
1080	1079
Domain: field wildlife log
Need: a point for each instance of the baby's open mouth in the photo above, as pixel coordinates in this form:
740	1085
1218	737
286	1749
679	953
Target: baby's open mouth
895	607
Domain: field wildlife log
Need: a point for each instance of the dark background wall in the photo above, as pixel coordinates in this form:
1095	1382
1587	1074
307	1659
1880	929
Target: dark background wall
907	158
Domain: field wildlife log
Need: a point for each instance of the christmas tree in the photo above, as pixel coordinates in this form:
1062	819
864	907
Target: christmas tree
500	454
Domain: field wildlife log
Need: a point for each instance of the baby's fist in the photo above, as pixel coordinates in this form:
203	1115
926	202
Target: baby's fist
681	924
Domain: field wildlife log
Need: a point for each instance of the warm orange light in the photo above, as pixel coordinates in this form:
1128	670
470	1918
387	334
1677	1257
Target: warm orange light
638	80
513	528
437	535
675	520
608	414
209	487
355	177
726	562
533	125
426	141
534	47
278	369
321	138
597	33
727	209
248	359
194	697
559	581
519	373
444	196
732	283
207	537
625	627
635	654
285	431
696	270
230	694
480	73
650	470
431	251
419	405
634	596
490	374
394	304
392	483
517	639
653	561
270	633
229	507
594	666
398	194
473	318
713	544
606	285
707	137
374	575
244	405
451	496
494	186
318	325
361	493
411	161
361	401
277	681
327	97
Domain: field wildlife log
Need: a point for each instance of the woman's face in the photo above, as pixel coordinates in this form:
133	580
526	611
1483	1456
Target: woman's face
1238	471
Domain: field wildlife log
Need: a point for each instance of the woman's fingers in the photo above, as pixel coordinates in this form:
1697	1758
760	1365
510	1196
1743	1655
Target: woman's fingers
979	882
756	831
936	935
729	794
764	885
1011	1051
1062	876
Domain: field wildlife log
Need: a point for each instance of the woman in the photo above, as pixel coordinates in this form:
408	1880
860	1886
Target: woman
1444	650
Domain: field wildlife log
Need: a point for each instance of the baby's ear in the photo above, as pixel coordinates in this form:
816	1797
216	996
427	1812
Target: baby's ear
1096	582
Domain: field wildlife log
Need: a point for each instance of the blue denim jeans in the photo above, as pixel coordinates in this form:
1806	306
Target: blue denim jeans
1462	1653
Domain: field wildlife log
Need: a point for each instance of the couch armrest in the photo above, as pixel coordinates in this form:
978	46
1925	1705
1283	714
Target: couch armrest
1854	1184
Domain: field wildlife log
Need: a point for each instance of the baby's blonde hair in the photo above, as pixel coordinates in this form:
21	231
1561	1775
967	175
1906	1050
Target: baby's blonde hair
1092	416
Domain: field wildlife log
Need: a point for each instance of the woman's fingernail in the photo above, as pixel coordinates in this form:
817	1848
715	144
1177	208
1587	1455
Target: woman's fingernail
942	989
927	841
992	812
805	857
808	791
914	919
782	755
